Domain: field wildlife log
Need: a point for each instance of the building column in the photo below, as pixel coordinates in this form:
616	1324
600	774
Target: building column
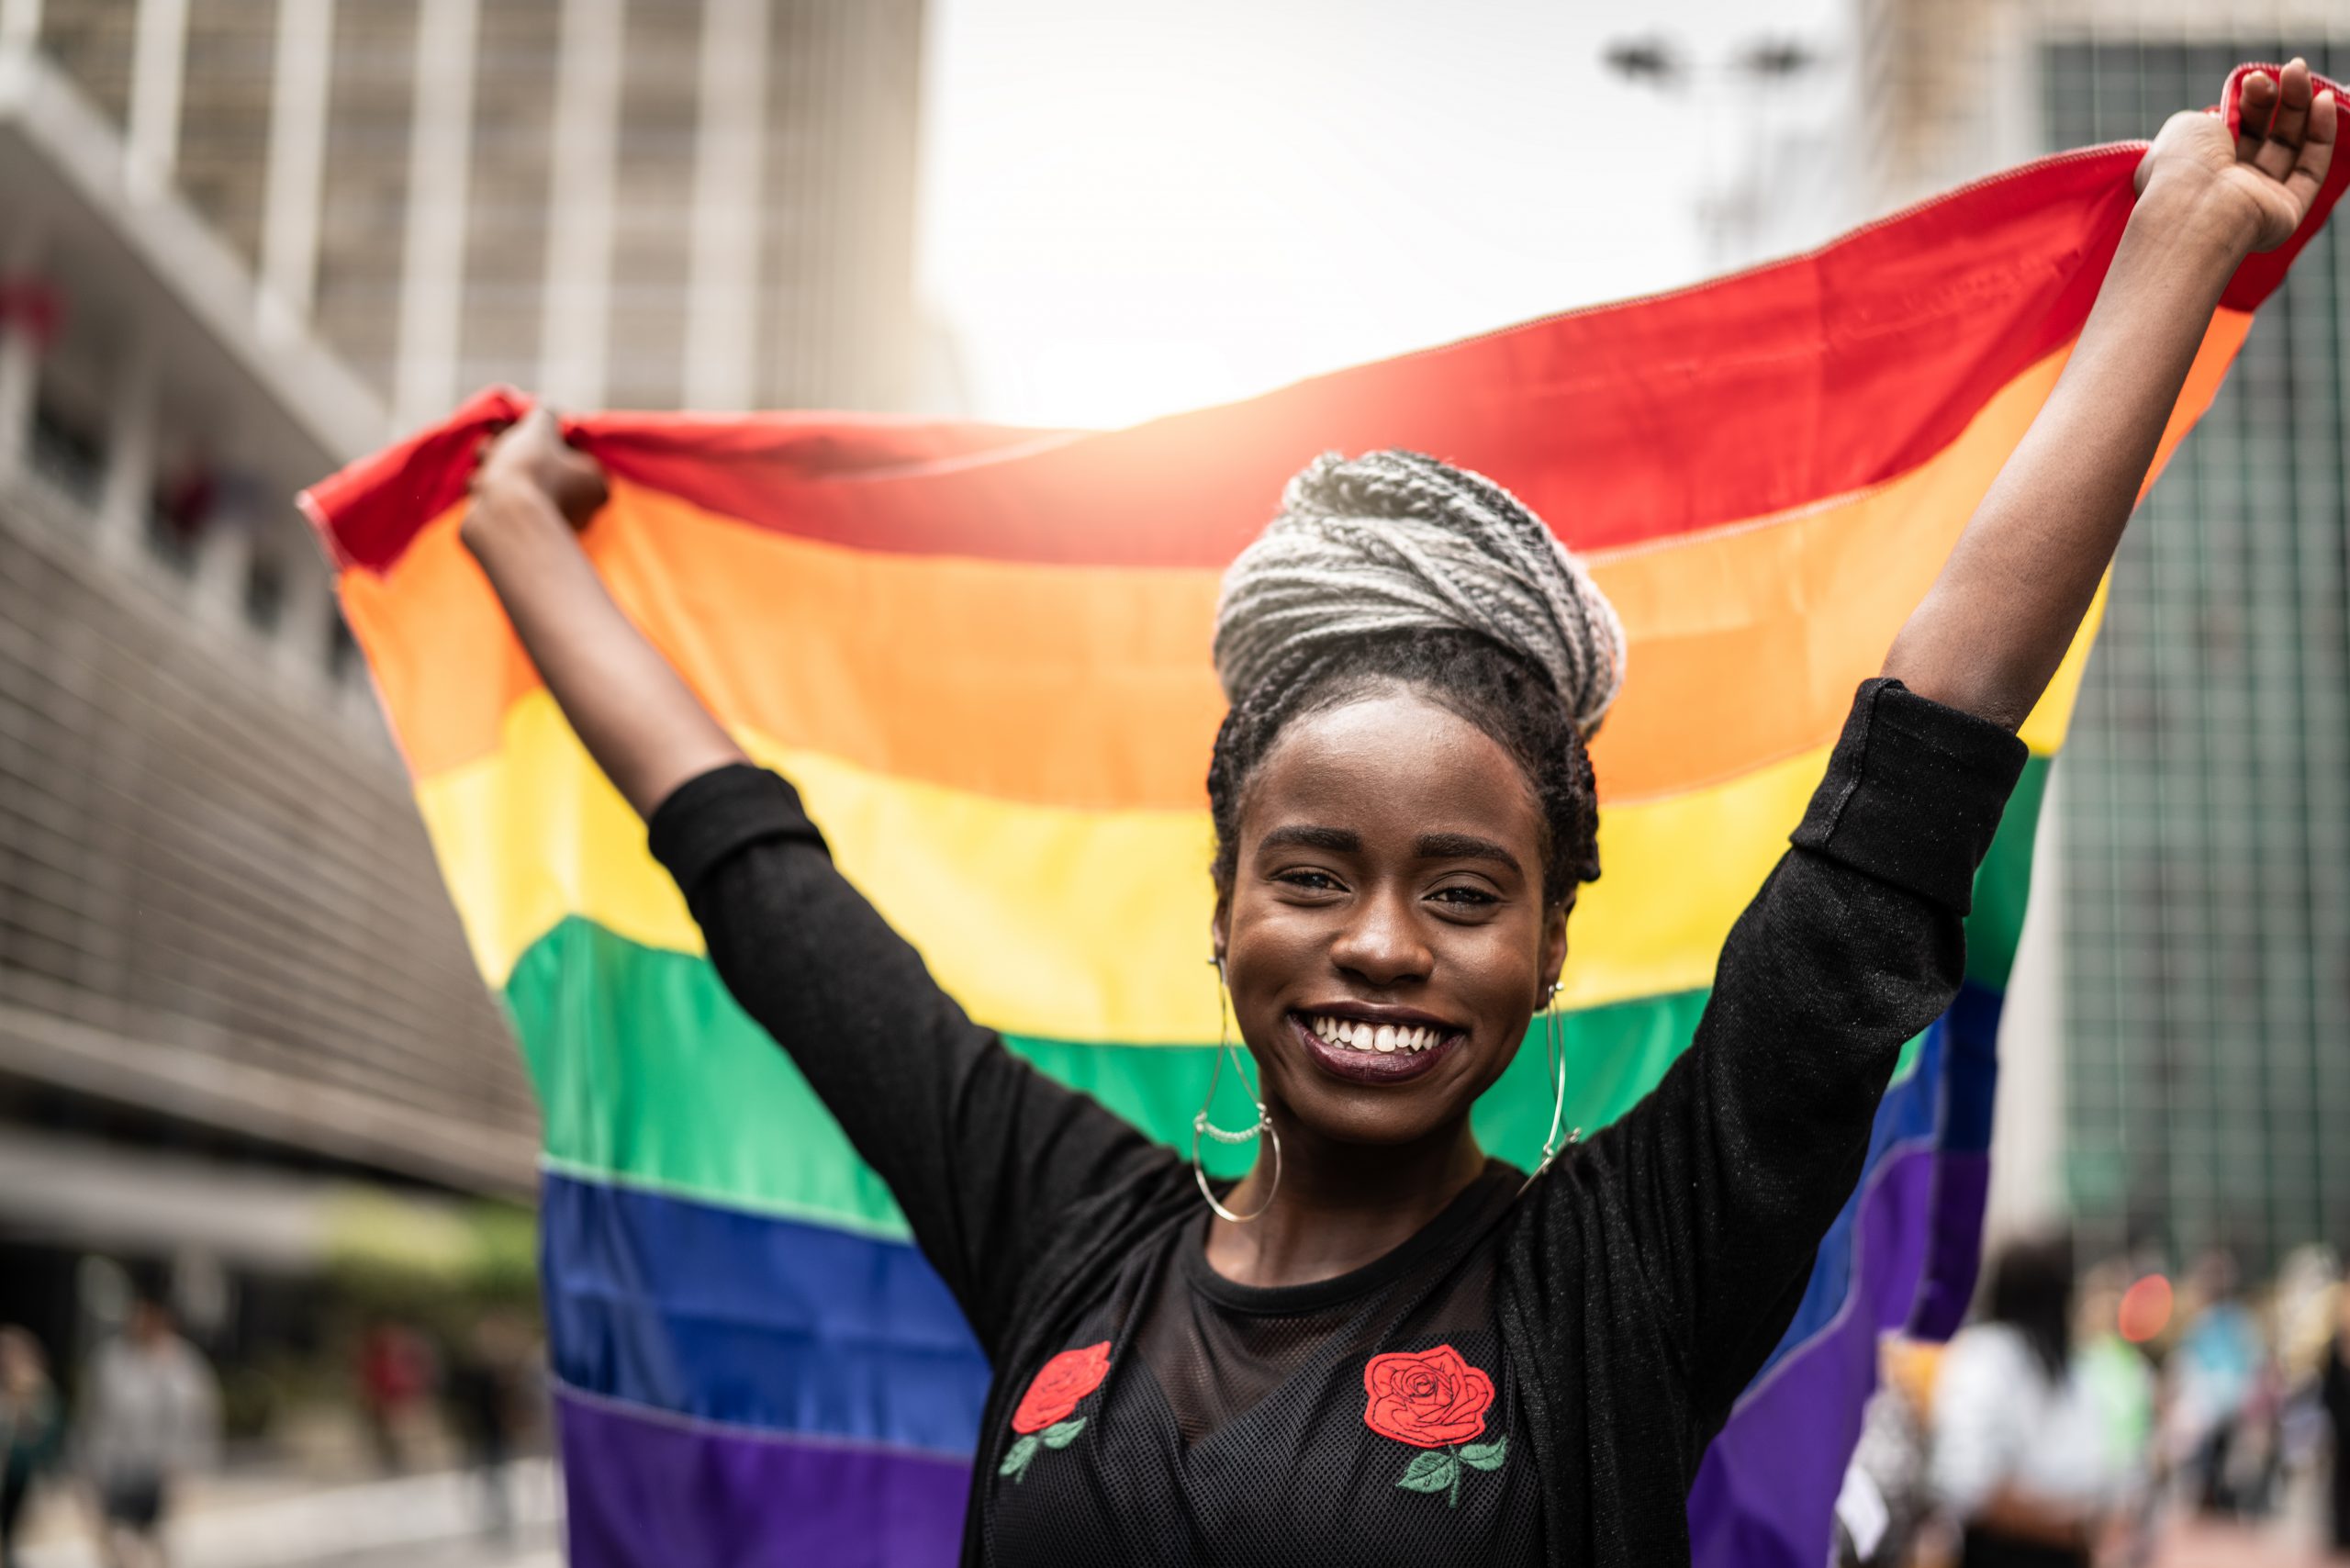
19	354
158	69
297	144
130	487
19	23
223	554
730	158
432	266
305	625
575	324
2028	1117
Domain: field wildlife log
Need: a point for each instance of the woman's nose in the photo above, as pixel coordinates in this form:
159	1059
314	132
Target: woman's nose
1382	943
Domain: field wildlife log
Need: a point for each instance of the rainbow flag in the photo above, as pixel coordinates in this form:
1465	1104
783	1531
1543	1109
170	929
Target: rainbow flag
982	655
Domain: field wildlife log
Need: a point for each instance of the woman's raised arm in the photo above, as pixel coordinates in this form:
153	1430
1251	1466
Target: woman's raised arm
983	1152
636	716
1997	621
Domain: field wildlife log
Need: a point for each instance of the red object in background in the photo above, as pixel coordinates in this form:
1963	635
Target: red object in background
185	500
2145	1309
35	305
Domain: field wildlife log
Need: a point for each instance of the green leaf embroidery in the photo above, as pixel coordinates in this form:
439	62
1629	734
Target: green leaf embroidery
1015	1464
1430	1471
1061	1434
1486	1456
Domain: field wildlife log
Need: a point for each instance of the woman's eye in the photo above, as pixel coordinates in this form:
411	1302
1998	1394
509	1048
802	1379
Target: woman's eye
1309	881
1464	897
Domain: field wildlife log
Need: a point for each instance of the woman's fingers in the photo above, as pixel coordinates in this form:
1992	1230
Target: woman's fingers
2316	155
2280	150
2254	108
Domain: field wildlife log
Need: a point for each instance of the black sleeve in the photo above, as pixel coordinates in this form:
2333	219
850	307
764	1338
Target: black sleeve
1733	1167
983	1151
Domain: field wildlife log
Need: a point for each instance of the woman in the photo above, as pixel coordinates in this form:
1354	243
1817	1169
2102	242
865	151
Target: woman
29	1427
2022	1452
1380	1345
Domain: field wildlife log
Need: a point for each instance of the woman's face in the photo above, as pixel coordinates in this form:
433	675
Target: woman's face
1385	937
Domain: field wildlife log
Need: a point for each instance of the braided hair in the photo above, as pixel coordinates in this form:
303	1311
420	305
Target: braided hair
1395	569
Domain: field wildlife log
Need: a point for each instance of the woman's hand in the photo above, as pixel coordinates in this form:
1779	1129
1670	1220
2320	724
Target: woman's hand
1997	621
642	724
2264	178
530	457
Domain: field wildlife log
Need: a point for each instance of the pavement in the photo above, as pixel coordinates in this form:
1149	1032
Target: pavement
434	1521
437	1520
2285	1543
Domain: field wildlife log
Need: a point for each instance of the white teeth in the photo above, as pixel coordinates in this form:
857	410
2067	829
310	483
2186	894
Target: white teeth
1386	1038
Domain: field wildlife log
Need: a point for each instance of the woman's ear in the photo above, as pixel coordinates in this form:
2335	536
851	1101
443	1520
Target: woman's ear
1554	942
1220	927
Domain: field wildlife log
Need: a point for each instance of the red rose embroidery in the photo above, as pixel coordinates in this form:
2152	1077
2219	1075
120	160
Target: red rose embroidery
1432	1399
1066	1379
1041	1419
1428	1399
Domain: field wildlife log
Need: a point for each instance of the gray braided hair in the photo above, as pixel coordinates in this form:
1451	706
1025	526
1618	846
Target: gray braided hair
1398	542
1395	569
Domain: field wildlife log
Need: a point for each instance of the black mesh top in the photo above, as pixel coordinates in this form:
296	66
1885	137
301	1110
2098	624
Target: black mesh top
1531	1378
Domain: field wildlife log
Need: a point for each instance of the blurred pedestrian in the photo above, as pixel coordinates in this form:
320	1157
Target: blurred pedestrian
1886	1502
2021	1455
29	1423
2120	1384
397	1371
488	1382
149	1415
2217	1373
2335	1376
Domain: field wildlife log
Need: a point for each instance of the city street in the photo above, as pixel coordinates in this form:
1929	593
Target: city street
433	1520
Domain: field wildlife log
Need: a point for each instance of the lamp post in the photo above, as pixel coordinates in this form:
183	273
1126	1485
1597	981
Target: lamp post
1745	77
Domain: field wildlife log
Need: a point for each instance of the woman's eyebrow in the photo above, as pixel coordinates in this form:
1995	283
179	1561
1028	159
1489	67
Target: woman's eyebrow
1463	847
1337	840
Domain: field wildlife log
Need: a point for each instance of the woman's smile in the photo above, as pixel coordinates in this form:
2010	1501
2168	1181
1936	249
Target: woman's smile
1374	1044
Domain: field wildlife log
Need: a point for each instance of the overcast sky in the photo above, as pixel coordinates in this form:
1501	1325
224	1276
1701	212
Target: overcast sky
1139	206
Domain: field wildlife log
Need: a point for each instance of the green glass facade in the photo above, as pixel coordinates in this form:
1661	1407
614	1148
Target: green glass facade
2205	796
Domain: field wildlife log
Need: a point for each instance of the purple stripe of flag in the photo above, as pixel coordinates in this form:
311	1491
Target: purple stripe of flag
645	1490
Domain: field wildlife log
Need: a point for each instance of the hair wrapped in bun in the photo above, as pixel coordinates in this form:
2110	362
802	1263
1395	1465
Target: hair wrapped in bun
1394	568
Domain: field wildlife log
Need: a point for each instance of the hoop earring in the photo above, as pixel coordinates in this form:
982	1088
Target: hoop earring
1200	1124
1558	1064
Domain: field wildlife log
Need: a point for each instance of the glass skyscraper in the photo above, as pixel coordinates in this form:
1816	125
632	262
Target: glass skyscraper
2206	789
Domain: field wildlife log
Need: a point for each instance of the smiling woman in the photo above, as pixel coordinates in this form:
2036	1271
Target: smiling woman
1405	813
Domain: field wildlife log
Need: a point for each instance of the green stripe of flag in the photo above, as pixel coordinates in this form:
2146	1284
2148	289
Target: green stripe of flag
648	1074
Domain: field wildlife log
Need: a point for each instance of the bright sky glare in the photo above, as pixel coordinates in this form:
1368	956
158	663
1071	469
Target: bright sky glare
1137	207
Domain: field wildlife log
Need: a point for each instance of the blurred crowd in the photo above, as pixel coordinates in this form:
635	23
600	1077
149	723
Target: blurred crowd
144	1420
2078	1417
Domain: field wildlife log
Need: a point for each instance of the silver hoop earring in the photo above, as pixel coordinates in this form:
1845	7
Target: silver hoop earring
1557	1059
1200	1124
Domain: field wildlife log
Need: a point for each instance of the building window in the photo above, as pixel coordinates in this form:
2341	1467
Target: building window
67	453
176	516
264	593
168	540
342	650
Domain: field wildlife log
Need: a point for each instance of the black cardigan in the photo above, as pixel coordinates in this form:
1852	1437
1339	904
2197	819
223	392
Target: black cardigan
1632	1293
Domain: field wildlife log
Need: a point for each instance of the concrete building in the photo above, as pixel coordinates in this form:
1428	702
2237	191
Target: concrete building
704	203
243	241
234	1001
